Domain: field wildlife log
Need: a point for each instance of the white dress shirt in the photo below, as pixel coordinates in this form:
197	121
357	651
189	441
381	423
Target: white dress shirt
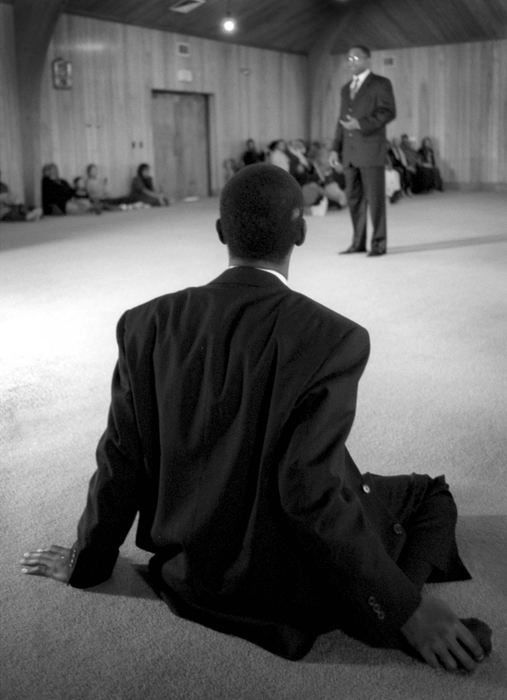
357	81
266	269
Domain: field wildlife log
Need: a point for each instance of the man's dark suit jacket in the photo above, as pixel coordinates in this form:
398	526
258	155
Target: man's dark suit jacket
231	404
374	107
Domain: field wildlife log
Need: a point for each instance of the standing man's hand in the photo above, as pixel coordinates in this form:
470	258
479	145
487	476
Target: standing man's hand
52	562
333	159
350	123
439	636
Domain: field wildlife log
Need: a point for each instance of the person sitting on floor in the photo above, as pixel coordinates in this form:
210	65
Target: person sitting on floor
96	187
231	167
411	161
81	199
97	191
231	406
428	175
278	154
252	155
304	171
143	189
57	194
399	162
393	179
12	210
331	175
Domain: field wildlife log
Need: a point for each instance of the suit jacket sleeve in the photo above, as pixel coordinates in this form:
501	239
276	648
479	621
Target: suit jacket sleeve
339	132
318	484
384	110
115	487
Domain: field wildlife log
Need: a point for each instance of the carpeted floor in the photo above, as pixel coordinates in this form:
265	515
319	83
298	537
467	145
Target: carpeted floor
433	399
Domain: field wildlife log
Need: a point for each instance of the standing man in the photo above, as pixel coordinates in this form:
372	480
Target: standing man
367	105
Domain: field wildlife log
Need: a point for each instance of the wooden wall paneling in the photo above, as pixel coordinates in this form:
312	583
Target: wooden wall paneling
276	113
453	158
464	141
163	60
32	34
264	96
138	83
294	96
102	82
76	107
332	74
474	73
488	120
248	121
210	80
500	83
439	122
10	136
320	84
276	89
236	100
450	116
115	156
404	89
146	76
199	57
245	93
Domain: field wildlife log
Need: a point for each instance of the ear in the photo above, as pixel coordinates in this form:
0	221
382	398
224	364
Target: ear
300	239
218	226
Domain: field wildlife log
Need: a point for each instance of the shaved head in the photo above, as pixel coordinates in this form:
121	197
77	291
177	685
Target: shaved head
261	213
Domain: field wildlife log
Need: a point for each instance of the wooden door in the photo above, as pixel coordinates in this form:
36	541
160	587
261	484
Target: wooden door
180	141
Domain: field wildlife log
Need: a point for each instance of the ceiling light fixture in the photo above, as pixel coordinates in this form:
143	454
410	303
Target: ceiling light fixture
229	24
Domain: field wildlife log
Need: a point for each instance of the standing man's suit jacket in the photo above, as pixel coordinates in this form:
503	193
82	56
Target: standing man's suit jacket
231	404
373	107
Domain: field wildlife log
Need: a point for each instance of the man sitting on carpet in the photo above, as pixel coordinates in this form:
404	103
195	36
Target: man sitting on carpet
231	404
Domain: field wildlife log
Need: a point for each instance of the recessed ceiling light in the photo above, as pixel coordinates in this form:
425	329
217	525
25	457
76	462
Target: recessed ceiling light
229	24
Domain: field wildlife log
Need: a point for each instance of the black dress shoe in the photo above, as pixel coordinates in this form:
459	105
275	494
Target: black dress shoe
352	249
375	253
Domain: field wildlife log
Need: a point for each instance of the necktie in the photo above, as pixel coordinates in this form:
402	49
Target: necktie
354	87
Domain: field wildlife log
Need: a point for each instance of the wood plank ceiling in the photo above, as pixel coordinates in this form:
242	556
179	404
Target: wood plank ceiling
298	25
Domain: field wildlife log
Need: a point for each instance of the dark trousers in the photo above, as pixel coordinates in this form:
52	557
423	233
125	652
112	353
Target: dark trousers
426	510
366	189
424	507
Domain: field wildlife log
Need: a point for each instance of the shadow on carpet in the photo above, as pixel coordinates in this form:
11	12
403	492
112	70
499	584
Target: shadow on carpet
440	245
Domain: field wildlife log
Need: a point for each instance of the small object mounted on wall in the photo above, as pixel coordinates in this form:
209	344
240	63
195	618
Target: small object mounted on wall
62	74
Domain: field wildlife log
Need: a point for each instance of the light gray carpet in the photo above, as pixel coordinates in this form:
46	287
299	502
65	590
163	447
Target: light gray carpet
433	399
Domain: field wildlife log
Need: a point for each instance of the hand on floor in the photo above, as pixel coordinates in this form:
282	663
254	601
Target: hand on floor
53	562
440	637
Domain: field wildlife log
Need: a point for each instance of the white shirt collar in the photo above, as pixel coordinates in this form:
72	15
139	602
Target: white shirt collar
266	269
361	77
